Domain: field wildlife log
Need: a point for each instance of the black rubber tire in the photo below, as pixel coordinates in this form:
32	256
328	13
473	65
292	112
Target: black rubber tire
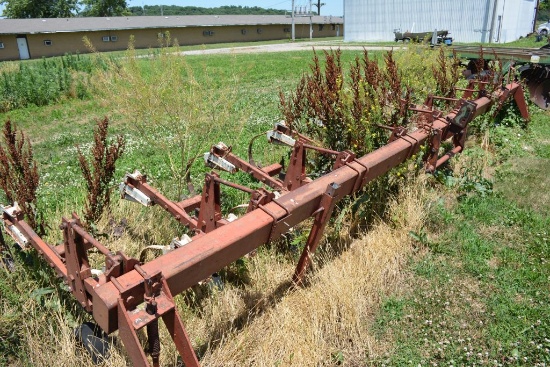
406	40
544	32
7	262
94	340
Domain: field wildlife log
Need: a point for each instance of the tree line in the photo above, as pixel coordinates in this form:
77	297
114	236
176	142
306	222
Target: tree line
22	9
195	10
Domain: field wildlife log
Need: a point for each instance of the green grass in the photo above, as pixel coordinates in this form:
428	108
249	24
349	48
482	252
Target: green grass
478	294
55	130
478	284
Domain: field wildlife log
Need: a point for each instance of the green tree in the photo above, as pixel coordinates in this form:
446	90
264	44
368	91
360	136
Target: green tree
136	10
105	8
18	9
544	11
194	10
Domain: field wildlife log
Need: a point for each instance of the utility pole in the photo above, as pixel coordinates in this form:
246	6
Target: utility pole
318	5
310	22
293	25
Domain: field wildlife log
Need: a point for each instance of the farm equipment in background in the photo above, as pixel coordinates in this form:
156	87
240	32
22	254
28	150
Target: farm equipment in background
532	65
436	37
128	295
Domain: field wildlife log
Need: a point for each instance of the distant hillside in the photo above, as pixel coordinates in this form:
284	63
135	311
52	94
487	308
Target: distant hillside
194	10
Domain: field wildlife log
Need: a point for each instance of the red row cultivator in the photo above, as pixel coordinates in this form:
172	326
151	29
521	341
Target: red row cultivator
129	295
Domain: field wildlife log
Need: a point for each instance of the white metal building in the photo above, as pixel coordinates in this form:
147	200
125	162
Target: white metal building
497	21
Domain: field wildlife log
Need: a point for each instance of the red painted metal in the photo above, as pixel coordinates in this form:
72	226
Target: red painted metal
261	175
114	296
194	262
322	217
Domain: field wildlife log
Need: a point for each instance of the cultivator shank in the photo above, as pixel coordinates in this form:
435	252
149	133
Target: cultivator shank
130	295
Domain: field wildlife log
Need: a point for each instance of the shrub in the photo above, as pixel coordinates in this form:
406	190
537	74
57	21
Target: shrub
45	82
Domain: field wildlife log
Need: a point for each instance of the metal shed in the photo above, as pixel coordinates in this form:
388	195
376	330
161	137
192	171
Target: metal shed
484	21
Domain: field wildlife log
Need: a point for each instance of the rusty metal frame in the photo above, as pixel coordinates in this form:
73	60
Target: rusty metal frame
130	295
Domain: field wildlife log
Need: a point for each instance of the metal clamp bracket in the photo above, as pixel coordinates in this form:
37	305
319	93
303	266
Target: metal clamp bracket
13	213
129	192
214	159
278	137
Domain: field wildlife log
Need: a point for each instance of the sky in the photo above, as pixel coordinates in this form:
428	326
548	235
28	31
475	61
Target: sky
331	7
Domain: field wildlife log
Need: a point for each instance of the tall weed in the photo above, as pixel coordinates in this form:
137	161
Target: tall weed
343	110
98	171
175	107
19	173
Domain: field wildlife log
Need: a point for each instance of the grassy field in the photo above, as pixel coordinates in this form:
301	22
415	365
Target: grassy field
455	272
477	291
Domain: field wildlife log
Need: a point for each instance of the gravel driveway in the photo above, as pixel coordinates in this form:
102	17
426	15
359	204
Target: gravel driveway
283	47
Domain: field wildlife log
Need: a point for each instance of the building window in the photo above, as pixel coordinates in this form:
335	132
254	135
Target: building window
333	27
106	38
259	30
1	44
286	30
207	33
161	35
47	42
243	31
114	38
321	26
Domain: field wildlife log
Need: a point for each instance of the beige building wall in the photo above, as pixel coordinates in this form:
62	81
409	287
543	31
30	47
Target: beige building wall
56	44
10	50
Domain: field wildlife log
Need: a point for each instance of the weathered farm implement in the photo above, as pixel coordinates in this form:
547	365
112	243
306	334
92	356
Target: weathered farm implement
533	66
129	295
435	37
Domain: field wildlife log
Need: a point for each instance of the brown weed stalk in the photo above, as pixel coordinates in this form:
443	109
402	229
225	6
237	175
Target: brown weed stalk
343	111
480	64
317	102
323	92
372	72
19	173
497	72
446	74
99	171
293	109
395	97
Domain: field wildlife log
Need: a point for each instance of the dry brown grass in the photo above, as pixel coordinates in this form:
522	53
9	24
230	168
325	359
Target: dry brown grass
309	326
56	345
263	323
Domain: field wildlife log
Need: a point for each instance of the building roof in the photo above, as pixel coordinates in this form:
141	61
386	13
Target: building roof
57	25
